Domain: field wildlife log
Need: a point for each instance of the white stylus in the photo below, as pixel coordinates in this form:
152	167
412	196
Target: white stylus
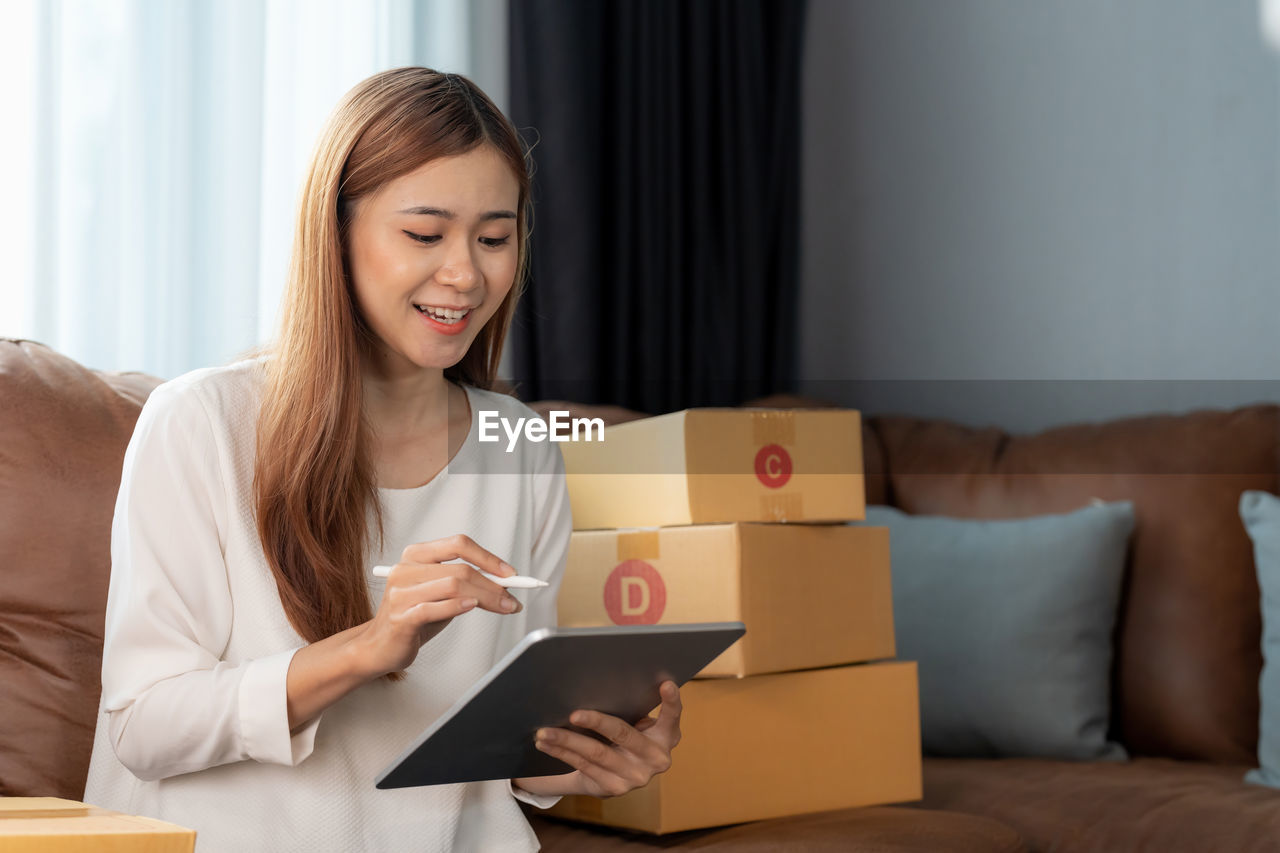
513	582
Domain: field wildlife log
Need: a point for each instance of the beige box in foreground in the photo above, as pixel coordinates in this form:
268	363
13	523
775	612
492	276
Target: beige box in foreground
810	595
778	745
53	825
705	466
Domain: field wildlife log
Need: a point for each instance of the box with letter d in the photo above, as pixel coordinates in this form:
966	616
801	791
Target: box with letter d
811	595
704	466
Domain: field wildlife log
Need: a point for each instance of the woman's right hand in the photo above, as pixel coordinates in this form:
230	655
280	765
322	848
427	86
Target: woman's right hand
424	593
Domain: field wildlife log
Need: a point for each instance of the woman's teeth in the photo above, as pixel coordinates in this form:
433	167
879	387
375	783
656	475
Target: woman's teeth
448	316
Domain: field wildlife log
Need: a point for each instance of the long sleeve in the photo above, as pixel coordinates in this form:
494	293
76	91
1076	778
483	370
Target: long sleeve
193	724
550	549
174	705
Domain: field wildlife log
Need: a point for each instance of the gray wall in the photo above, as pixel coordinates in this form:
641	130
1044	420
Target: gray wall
1031	212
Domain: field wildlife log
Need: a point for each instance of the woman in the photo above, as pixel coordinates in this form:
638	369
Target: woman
250	690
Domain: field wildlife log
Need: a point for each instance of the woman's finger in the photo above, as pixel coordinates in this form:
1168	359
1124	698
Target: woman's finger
458	547
588	749
646	724
489	595
489	591
621	733
403	577
609	782
407	572
437	611
668	726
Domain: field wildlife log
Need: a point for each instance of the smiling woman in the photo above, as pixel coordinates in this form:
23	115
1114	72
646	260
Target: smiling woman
425	271
246	671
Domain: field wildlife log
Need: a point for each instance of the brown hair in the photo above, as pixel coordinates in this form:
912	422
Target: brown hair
314	485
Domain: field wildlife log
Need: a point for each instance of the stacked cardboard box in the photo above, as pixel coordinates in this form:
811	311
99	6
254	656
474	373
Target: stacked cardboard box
679	518
53	825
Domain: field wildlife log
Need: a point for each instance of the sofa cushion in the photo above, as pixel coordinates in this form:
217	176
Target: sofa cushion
870	830
63	433
1260	512
1147	804
1010	623
1188	644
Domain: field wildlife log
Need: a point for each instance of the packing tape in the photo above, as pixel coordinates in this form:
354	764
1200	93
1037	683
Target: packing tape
638	545
773	427
787	506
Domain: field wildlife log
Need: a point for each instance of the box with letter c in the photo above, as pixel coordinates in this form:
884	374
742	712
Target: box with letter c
707	466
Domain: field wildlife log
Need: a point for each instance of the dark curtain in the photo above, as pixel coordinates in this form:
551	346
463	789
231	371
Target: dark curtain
666	143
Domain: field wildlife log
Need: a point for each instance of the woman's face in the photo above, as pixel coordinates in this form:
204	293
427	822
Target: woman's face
432	255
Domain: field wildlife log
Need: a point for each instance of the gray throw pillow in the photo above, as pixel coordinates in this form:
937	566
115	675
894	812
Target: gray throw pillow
1011	624
1260	512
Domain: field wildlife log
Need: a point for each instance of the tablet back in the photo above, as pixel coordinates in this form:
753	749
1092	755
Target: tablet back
489	732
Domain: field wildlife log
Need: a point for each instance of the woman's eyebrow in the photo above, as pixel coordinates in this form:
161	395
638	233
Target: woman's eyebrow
449	214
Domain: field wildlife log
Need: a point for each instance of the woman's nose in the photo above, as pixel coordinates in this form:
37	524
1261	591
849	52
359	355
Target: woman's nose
458	271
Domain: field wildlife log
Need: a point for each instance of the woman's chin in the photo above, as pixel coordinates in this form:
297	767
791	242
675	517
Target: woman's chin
393	361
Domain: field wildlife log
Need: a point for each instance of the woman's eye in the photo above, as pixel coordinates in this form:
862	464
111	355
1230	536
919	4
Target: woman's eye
430	239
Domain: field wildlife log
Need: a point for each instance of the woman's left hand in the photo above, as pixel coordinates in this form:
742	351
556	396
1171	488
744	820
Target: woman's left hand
636	754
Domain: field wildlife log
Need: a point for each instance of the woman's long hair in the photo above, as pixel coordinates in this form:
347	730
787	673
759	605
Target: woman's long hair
314	483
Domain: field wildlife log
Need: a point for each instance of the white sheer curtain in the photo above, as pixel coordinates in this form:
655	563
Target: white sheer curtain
155	149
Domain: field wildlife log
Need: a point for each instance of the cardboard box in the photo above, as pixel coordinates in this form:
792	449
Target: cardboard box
53	825
778	745
810	595
706	466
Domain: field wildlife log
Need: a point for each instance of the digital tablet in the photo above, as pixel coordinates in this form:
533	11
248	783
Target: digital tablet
552	672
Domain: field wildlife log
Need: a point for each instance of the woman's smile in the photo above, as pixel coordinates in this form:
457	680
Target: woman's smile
446	321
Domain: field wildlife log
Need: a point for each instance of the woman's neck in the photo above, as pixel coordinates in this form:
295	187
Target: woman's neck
420	421
398	405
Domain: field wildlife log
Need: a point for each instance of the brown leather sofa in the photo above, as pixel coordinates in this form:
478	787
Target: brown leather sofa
1188	643
1187	657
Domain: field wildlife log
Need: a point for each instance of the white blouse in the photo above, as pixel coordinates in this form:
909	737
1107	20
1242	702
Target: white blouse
193	725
